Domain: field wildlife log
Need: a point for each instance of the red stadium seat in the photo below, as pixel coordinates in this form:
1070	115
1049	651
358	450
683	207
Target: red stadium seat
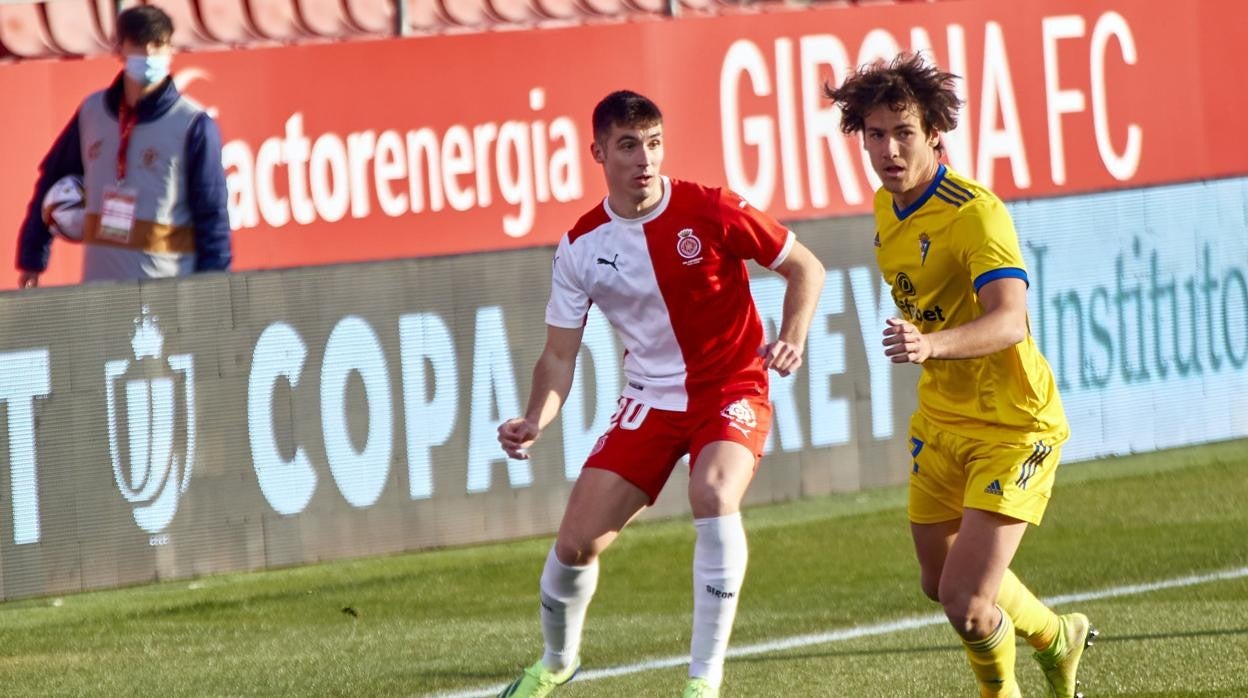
647	7
729	6
326	18
371	16
517	12
226	21
424	16
466	13
740	6
75	26
604	8
275	19
558	9
48	28
22	31
698	6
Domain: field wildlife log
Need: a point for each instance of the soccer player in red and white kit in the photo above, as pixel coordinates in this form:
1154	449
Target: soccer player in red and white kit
664	260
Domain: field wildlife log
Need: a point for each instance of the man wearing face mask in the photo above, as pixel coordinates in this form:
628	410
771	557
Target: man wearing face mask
150	161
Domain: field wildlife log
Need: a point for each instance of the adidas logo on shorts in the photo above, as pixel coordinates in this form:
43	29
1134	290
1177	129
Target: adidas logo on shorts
994	487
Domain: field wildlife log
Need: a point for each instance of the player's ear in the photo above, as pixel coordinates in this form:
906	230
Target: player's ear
596	150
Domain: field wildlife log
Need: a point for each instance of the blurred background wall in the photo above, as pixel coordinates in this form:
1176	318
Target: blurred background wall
395	202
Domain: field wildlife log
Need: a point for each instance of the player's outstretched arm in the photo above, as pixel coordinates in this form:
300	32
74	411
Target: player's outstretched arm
552	378
1003	324
804	274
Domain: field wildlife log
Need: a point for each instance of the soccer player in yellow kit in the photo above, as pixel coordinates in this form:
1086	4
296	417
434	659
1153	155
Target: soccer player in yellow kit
989	429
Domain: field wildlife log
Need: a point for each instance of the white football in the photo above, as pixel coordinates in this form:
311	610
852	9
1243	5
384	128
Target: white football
64	207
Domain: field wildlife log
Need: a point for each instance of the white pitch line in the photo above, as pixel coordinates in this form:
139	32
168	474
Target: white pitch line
854	633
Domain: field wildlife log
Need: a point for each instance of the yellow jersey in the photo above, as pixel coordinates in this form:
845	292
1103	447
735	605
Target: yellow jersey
936	254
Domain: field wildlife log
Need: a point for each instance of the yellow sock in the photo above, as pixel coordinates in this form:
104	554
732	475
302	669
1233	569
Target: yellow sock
992	660
1033	621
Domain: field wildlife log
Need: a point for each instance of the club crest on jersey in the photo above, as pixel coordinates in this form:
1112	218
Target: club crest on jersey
740	416
688	246
149	158
925	244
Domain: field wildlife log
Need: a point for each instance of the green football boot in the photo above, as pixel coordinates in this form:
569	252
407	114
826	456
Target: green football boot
538	682
1060	662
700	688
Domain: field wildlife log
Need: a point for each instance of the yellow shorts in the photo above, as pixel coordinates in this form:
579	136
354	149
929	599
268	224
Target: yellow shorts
951	473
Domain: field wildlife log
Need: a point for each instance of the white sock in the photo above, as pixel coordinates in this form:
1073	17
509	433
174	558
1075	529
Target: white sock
566	592
719	560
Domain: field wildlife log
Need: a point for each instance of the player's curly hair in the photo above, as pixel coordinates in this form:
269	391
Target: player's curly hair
907	80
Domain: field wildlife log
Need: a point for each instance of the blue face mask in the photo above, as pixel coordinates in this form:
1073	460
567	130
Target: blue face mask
148	70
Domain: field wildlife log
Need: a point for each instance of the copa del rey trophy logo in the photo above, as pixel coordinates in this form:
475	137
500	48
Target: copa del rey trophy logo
152	457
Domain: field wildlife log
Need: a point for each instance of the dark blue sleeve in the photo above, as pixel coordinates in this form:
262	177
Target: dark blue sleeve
64	158
205	179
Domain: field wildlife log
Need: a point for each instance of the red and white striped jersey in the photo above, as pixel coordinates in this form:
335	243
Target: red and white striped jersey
674	285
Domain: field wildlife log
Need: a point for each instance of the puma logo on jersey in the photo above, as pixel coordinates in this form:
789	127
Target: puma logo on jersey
610	262
740	428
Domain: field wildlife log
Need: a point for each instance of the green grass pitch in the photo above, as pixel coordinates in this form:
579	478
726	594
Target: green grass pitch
460	621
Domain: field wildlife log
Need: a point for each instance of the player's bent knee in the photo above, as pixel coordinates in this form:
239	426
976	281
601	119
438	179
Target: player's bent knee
576	554
930	587
709	501
970	615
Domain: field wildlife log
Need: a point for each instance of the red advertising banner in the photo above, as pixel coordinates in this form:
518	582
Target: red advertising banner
443	145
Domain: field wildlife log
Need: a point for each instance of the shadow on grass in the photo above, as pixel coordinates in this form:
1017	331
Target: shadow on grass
877	651
958	649
1171	635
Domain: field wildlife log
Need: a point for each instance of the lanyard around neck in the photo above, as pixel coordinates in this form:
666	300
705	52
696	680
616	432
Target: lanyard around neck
127	118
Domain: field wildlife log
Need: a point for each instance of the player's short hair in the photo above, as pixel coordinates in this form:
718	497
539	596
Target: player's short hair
144	24
907	80
624	108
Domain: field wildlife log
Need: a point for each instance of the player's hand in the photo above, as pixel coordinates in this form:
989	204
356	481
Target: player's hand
904	343
517	435
781	356
28	279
